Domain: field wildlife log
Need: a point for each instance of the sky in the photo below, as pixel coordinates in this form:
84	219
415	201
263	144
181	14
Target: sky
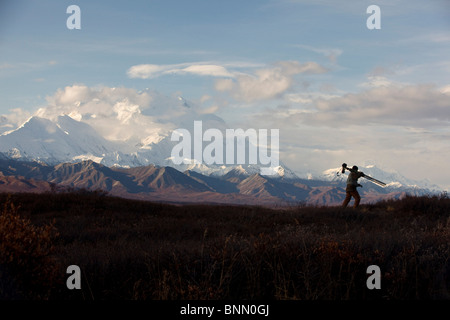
337	90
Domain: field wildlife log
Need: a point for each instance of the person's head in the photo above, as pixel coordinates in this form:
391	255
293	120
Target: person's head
355	168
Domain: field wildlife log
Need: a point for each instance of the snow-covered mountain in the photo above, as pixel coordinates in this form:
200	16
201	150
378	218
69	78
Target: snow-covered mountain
64	139
136	139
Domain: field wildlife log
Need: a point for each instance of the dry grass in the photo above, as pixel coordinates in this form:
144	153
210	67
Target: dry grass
26	260
147	251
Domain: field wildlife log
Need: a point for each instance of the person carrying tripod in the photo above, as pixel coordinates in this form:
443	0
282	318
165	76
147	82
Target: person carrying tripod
352	184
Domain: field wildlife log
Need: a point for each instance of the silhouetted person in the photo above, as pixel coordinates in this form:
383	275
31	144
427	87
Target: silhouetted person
352	184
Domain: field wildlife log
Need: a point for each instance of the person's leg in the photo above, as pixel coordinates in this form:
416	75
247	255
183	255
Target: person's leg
357	198
348	196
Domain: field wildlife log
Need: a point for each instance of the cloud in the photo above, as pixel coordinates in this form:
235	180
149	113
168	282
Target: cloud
224	85
445	89
6	66
330	53
13	120
209	110
146	71
376	81
125	114
383	103
252	85
266	83
205	70
118	114
394	105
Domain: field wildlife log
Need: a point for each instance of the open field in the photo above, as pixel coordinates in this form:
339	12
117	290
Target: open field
139	250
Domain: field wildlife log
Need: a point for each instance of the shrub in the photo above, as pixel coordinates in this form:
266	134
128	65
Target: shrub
27	267
129	249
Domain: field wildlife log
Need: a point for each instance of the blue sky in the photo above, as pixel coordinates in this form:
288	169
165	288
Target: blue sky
337	90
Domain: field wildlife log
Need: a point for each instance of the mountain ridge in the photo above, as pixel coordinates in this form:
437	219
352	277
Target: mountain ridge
126	168
160	183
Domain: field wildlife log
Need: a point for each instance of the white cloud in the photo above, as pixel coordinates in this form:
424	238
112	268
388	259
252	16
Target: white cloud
445	89
125	111
382	103
252	85
125	114
394	105
146	71
13	120
376	81
118	114
266	83
224	85
204	70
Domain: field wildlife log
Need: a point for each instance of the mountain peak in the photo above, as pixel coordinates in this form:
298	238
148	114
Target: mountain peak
61	140
80	166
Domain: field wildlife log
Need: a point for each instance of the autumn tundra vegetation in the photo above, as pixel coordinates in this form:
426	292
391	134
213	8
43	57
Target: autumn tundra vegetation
140	250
